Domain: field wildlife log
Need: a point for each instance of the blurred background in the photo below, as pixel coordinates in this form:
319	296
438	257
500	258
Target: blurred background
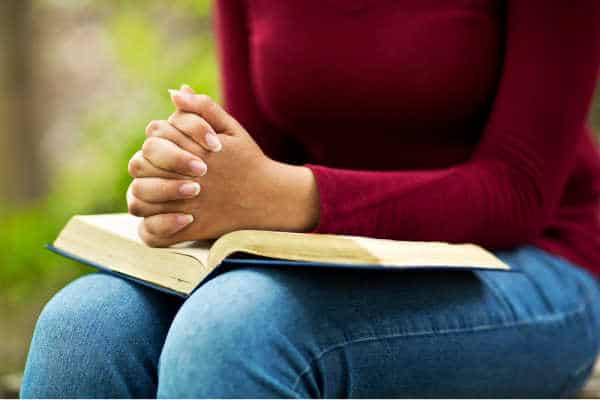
79	81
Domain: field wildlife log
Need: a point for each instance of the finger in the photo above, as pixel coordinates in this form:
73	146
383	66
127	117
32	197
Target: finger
208	109
138	207
196	128
158	190
187	89
139	167
158	230
164	154
141	208
163	129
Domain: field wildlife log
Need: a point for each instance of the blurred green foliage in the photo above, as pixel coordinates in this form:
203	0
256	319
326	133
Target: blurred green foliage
150	58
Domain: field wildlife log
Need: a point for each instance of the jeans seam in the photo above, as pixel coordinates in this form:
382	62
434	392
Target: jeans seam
546	319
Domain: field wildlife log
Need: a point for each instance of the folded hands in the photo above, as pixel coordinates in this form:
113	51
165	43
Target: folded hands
200	174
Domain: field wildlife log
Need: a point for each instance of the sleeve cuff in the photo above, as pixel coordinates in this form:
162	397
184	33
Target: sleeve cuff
326	187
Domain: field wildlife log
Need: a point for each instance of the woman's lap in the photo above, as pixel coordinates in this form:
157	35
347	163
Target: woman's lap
256	332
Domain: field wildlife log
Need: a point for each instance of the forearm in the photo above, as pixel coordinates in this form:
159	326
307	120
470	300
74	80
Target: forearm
489	204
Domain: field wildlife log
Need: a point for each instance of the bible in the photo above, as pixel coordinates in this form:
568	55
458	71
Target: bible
109	242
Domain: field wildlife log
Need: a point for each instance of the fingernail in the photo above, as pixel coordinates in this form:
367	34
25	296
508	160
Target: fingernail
185	86
189	189
186	96
183	220
173	92
212	140
199	168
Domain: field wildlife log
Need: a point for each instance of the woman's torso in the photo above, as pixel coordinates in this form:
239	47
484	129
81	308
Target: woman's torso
399	85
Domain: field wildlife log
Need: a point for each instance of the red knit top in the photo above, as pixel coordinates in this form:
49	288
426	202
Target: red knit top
449	120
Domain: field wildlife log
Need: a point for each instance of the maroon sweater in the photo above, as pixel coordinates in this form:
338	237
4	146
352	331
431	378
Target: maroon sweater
450	120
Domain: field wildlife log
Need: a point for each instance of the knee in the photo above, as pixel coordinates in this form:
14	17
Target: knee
236	309
98	304
231	334
105	311
90	331
73	309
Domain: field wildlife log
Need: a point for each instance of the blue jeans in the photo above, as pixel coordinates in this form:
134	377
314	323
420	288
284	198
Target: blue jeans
285	332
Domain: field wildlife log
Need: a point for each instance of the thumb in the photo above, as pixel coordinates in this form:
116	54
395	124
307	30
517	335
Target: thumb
186	89
186	100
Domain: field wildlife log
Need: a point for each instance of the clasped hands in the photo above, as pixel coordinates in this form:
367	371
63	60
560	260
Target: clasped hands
200	174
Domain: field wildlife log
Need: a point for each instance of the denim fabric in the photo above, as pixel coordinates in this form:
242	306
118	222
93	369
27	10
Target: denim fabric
285	332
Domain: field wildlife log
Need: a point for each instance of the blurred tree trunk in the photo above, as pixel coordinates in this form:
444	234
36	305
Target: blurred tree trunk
20	169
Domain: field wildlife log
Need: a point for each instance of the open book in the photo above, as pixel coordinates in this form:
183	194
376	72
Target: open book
110	242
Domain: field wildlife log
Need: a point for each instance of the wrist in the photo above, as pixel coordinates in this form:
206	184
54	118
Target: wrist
292	197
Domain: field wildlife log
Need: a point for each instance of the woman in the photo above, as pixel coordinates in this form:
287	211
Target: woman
460	121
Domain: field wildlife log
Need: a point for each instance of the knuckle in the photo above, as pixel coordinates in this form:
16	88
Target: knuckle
135	208
151	240
174	118
146	234
150	145
137	188
158	228
150	224
134	167
152	127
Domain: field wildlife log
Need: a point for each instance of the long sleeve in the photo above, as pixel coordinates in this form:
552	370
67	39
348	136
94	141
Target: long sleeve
239	99
506	193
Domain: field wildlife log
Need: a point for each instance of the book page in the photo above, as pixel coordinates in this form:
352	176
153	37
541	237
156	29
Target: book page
393	252
126	226
354	250
111	243
123	225
199	250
